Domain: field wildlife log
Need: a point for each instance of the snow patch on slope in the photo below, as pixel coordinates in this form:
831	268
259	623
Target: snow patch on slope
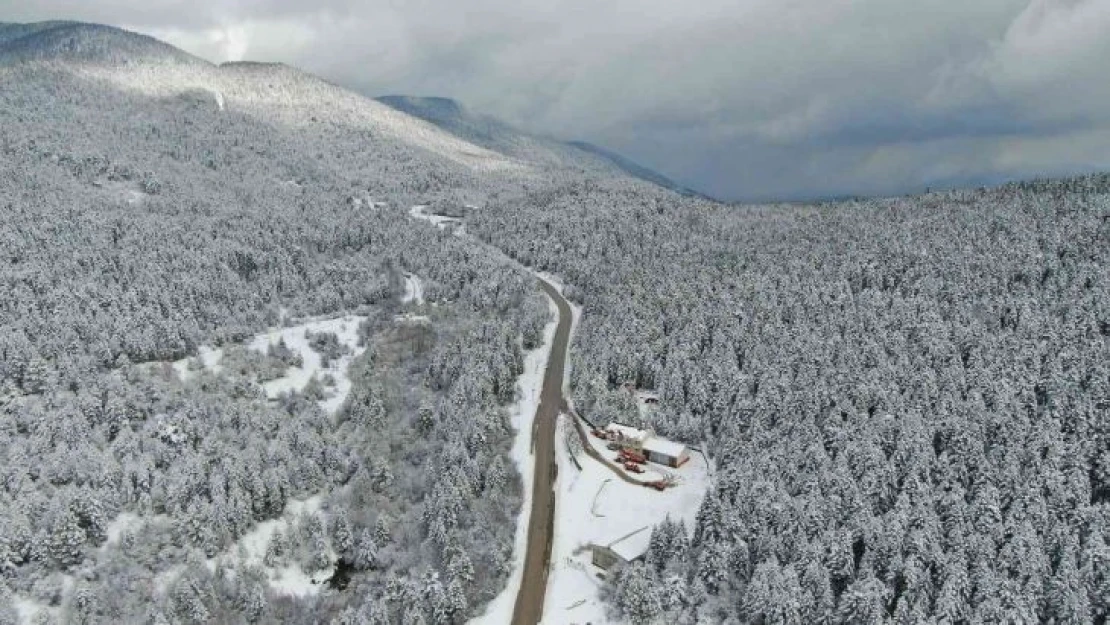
296	378
124	522
28	610
208	359
414	289
250	549
281	94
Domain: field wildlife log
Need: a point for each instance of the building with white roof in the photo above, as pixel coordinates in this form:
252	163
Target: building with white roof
626	434
655	448
663	451
622	550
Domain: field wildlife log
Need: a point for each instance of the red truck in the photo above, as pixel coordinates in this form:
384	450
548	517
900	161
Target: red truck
629	455
632	467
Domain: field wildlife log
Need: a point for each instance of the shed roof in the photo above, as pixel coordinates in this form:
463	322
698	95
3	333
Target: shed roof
663	446
628	431
632	546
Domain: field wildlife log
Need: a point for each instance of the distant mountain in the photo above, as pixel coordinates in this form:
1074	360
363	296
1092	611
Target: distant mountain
88	43
9	31
496	135
633	169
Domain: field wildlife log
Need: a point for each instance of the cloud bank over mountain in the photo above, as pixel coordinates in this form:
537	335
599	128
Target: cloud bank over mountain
737	98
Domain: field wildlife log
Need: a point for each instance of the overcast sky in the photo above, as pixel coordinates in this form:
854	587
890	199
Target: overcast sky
743	99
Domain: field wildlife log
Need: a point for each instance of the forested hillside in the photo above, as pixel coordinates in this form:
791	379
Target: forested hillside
500	137
149	207
908	400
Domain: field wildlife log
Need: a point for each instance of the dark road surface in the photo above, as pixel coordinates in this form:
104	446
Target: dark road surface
541	522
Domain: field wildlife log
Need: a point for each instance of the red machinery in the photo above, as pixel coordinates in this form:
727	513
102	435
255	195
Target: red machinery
629	455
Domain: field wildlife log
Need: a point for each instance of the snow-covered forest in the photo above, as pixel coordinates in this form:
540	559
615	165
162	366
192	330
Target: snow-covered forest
138	230
908	400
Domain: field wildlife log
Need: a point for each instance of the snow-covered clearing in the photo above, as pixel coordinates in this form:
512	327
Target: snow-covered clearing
500	610
413	319
127	191
414	289
208	358
250	549
440	221
124	521
29	611
296	378
593	506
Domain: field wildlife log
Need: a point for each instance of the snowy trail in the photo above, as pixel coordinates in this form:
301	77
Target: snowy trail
414	289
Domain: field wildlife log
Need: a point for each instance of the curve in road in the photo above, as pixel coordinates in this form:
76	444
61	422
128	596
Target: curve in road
541	522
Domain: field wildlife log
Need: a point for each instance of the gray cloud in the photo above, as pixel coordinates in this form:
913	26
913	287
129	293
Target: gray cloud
742	98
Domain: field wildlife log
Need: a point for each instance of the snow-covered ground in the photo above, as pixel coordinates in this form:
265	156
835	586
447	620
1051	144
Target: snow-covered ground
411	318
250	549
296	378
124	521
593	506
127	191
500	610
30	611
207	358
414	289
27	610
440	221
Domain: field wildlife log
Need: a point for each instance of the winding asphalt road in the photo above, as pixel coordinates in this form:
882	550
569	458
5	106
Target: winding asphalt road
541	521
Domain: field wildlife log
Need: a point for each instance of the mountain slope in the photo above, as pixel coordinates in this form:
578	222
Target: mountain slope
156	208
632	168
90	43
498	136
62	68
10	31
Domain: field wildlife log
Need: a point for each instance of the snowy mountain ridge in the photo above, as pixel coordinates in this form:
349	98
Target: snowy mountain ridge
496	135
86	43
279	93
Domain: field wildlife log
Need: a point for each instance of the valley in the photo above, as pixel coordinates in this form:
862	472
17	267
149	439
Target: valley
262	332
